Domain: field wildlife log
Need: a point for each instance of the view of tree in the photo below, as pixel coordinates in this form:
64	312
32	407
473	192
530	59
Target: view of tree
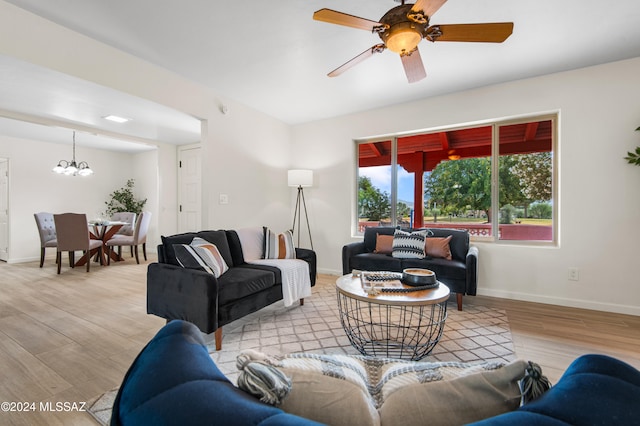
456	187
373	204
534	173
402	209
462	185
541	210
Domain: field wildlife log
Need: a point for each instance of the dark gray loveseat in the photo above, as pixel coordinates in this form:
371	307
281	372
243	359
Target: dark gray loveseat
174	292
460	273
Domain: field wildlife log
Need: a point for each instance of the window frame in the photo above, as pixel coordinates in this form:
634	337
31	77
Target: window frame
495	124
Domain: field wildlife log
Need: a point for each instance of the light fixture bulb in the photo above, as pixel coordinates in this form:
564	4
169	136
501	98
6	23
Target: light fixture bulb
402	38
58	169
85	170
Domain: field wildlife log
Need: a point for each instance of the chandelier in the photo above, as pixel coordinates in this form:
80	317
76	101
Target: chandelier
71	168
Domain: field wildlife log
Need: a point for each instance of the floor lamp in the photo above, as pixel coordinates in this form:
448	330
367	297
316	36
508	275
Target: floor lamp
300	179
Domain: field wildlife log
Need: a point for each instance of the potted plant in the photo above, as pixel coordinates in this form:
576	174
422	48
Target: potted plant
634	157
122	200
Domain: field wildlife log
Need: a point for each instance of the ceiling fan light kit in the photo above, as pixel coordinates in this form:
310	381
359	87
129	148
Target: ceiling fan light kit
403	27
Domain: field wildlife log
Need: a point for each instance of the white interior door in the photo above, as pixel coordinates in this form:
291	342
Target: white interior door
190	190
4	209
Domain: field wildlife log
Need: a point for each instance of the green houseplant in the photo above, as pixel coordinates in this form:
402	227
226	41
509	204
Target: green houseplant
122	200
634	157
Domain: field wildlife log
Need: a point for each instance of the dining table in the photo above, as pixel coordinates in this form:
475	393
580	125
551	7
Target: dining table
102	230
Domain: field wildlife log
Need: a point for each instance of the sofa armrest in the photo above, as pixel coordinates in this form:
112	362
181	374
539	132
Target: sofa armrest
174	292
472	270
349	250
309	256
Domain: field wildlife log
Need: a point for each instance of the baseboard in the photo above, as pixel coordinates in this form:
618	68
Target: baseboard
560	301
26	259
330	272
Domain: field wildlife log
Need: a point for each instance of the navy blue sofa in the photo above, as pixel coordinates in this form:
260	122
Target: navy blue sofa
173	381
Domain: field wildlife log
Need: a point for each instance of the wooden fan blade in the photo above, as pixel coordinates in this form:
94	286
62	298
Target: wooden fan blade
429	7
339	18
355	61
413	66
485	33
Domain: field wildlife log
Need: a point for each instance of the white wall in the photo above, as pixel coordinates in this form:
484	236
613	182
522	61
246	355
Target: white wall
599	197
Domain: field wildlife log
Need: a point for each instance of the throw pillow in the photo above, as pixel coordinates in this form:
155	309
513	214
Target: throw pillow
409	245
278	246
201	255
330	388
252	242
384	244
457	400
438	247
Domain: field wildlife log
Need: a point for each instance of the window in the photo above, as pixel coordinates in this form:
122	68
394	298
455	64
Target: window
495	180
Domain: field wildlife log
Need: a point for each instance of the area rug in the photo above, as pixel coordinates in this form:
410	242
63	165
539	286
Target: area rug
477	333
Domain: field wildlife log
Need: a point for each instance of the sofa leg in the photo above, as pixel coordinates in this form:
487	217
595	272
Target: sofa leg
218	336
459	300
302	302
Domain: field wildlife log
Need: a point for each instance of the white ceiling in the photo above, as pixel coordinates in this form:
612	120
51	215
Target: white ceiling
274	57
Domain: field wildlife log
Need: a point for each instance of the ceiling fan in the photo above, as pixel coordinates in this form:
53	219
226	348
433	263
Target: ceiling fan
402	28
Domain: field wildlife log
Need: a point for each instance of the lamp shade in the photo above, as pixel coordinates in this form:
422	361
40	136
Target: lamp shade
302	178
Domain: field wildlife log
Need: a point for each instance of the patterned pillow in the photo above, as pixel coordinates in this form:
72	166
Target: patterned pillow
278	246
409	245
201	255
330	388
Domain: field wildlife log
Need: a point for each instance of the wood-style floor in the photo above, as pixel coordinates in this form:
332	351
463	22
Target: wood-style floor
71	337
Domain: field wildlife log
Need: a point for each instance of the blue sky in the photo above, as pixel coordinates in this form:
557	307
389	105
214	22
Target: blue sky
381	178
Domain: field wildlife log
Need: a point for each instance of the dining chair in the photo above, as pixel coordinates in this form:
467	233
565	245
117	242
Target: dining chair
139	237
126	230
47	231
128	217
72	230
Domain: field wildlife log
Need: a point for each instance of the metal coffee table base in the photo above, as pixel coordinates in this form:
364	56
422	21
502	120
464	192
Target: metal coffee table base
406	332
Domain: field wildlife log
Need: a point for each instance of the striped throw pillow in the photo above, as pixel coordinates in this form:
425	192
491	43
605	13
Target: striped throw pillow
201	255
409	245
278	246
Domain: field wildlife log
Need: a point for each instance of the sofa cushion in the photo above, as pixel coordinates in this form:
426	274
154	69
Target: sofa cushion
218	238
438	247
409	245
240	282
201	255
445	269
376	262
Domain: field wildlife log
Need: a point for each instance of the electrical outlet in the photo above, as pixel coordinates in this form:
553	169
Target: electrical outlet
574	274
223	199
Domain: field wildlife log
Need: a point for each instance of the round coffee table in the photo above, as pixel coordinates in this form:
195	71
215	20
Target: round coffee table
404	325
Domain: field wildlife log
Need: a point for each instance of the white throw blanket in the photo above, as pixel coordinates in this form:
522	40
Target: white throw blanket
296	283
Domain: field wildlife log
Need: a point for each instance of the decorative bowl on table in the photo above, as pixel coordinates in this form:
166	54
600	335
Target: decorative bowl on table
419	277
